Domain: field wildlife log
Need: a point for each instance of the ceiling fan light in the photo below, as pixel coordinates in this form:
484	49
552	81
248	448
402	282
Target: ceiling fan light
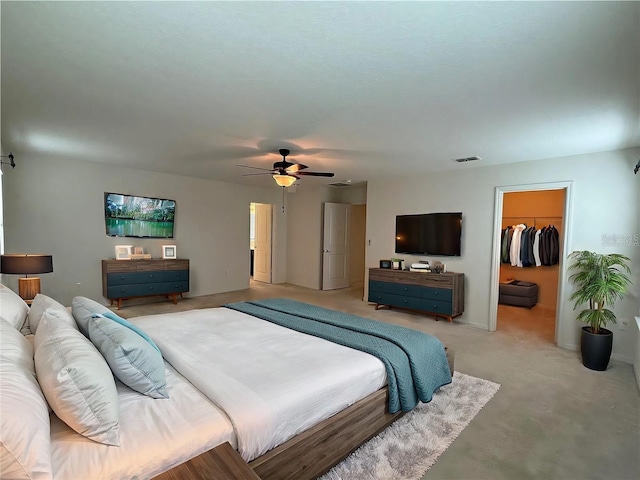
284	180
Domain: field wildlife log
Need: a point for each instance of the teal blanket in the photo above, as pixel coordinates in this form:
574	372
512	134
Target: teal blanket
416	362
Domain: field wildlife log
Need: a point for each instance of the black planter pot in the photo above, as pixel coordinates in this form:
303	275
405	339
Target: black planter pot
596	349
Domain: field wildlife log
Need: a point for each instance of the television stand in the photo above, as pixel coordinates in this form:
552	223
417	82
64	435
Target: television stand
438	294
126	279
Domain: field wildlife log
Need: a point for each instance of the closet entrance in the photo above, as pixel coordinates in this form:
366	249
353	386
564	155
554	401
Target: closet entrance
532	223
529	272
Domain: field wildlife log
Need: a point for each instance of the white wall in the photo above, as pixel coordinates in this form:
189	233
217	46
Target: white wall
304	235
56	206
354	195
605	202
304	228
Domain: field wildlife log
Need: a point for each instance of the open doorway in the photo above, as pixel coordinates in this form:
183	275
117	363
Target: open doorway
532	222
260	241
527	294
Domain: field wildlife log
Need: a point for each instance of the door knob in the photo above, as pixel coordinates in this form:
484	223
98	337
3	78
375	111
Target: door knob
326	251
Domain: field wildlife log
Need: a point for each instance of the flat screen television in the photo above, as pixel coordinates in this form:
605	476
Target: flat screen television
429	234
142	217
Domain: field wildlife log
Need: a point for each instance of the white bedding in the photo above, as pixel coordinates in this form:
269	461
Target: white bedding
155	435
272	382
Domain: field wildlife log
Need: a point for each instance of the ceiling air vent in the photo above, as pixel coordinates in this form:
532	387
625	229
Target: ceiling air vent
467	159
346	183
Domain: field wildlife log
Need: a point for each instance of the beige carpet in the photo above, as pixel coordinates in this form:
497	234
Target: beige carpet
406	449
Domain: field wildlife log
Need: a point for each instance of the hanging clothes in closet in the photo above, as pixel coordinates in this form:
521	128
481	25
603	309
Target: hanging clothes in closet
549	245
516	261
505	244
523	246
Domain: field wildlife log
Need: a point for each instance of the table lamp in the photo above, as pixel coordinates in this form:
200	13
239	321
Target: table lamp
26	264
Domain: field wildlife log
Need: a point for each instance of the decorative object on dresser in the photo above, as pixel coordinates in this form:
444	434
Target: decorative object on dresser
385	263
169	251
139	254
123	252
26	264
438	294
143	278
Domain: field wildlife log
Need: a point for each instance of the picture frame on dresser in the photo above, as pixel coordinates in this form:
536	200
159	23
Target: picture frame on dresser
169	252
123	252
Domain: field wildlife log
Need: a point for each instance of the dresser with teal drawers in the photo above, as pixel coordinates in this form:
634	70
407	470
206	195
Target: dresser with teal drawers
437	294
125	279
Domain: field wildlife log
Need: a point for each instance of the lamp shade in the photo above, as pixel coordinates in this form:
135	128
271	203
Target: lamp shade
284	180
23	264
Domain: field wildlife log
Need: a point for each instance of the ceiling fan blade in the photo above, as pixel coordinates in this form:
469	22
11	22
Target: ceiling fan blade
295	167
255	168
317	174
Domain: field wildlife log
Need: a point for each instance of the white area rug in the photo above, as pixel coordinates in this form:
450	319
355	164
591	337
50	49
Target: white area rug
406	449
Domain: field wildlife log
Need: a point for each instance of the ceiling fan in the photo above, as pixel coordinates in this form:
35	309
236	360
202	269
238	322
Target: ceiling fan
285	173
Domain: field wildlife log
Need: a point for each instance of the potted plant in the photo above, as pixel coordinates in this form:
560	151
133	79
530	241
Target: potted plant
600	280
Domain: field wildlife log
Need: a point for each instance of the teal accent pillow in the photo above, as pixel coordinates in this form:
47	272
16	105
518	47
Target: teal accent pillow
132	359
109	314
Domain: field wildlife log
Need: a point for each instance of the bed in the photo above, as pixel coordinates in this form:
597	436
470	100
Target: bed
290	403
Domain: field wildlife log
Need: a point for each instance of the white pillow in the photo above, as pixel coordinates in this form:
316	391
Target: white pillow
76	381
40	304
12	308
25	444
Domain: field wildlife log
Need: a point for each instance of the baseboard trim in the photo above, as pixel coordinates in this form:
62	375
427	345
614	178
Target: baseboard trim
614	356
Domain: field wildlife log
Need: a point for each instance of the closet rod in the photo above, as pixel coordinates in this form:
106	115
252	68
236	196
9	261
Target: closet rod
525	216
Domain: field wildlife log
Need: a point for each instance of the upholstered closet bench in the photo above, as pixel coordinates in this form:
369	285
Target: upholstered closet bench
519	294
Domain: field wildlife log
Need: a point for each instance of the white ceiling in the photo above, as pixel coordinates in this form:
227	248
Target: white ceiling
363	89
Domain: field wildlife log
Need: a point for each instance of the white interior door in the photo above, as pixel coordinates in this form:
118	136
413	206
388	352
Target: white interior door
335	246
262	253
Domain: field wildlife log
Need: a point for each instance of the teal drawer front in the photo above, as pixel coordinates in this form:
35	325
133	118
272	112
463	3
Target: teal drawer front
408	290
175	275
435	306
381	298
406	302
134	278
126	291
382	287
440	294
176	287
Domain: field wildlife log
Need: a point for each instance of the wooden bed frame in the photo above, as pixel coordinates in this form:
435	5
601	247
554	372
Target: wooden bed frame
313	452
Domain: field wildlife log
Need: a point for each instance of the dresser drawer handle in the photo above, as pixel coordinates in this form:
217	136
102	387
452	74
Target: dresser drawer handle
435	307
150	288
